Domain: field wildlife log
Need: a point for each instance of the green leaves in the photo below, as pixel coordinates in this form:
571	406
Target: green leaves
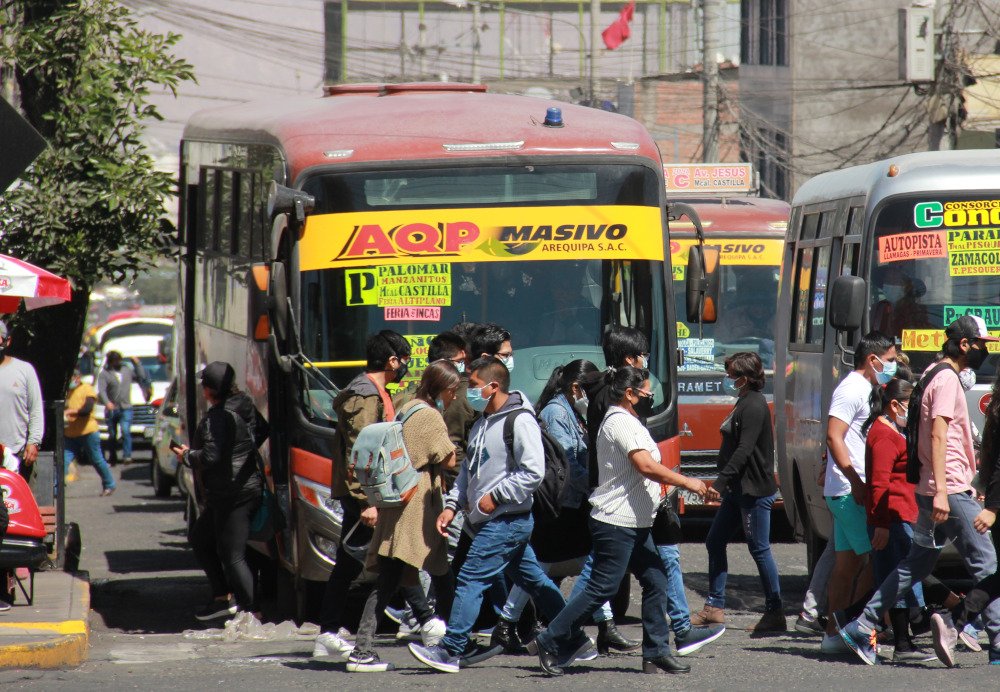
90	207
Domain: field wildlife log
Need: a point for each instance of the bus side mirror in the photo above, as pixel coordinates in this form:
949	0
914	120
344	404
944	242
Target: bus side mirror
286	200
268	300
847	303
702	287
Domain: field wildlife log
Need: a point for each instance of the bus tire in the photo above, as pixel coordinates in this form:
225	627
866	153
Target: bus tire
161	482
72	546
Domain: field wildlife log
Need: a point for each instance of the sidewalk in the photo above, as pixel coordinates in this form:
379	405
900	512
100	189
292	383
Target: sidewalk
52	633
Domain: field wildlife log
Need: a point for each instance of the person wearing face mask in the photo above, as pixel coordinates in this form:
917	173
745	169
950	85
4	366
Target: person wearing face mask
621	519
82	438
405	538
745	487
562	409
891	505
947	510
495	487
362	402
493	340
844	486
459	416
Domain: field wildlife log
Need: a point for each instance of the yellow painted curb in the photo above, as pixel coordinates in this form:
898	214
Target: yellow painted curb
67	644
59	652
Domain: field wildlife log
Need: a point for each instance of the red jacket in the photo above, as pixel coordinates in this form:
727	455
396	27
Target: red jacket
890	497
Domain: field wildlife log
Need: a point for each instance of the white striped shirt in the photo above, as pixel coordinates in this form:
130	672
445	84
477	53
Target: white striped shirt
623	496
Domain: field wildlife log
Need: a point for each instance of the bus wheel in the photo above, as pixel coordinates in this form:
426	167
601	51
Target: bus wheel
815	545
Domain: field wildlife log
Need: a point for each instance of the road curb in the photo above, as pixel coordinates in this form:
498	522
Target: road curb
50	644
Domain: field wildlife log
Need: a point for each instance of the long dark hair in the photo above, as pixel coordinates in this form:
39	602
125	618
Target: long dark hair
620	379
991	437
438	376
562	379
897	388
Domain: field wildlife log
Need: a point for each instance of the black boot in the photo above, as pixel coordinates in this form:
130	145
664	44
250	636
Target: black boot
610	639
664	664
505	635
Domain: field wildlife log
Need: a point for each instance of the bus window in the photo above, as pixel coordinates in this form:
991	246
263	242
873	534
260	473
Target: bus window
856	224
817	303
925	276
800	295
810	226
209	213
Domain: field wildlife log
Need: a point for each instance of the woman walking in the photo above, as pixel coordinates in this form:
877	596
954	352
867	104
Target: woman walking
406	539
623	506
562	410
746	488
891	505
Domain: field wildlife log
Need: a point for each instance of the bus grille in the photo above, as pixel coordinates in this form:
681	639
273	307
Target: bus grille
701	466
144	415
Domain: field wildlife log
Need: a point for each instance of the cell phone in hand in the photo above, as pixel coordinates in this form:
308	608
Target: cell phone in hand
174	444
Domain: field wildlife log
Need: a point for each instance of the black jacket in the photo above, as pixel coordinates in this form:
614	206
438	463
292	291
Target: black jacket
989	478
746	457
224	449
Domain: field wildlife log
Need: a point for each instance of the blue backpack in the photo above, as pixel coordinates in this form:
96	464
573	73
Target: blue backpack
380	463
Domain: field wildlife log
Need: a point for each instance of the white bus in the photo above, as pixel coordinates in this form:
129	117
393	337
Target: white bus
905	246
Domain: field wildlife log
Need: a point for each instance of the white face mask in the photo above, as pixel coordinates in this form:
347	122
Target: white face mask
508	362
968	378
901	419
581	405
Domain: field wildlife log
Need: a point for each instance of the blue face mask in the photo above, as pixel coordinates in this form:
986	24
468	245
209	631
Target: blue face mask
439	404
729	386
476	399
508	362
888	371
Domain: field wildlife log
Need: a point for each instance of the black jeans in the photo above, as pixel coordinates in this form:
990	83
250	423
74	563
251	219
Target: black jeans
391	575
345	570
219	541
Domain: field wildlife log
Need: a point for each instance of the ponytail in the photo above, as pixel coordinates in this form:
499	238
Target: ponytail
897	389
620	379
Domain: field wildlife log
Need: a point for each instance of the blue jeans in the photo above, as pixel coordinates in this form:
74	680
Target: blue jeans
518	598
617	550
500	546
886	560
929	538
755	515
120	417
89	446
677	603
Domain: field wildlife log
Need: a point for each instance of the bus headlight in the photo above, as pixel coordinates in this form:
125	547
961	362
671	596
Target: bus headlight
318	495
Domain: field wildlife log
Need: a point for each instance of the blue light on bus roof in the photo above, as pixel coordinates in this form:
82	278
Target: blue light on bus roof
553	117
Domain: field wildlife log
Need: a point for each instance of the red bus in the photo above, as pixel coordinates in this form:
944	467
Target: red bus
750	232
411	207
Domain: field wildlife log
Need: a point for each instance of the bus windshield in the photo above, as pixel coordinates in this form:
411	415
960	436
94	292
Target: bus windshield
934	260
747	304
554	286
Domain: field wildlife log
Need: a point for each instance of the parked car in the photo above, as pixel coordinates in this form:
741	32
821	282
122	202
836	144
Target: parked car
166	427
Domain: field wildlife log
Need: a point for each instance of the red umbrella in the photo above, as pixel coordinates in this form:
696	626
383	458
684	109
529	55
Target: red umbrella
36	286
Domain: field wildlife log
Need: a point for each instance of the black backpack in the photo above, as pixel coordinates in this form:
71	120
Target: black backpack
913	421
547	502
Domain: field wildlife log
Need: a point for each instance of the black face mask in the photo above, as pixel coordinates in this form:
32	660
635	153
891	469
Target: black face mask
644	409
402	371
976	357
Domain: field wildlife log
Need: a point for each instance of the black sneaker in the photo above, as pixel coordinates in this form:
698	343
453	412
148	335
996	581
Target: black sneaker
477	653
697	637
217	608
367	662
505	635
4	606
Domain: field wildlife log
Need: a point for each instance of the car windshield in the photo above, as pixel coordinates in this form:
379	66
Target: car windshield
155	368
934	260
748	297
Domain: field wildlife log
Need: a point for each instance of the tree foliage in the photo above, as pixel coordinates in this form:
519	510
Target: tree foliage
91	207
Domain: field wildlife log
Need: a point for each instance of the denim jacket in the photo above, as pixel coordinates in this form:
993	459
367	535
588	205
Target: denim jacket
562	423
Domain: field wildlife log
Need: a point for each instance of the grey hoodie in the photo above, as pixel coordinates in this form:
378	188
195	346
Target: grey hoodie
485	470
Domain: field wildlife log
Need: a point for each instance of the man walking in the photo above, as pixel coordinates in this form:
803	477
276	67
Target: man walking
114	392
22	420
945	499
81	432
496	487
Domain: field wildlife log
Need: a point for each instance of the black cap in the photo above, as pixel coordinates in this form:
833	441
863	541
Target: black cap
968	327
218	376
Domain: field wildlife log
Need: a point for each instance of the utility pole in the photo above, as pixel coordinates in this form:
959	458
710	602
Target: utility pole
710	15
595	19
476	23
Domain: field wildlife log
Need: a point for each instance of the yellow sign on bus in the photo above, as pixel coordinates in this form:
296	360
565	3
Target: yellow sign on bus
481	235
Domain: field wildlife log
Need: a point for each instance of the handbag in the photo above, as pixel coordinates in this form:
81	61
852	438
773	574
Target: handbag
268	519
666	524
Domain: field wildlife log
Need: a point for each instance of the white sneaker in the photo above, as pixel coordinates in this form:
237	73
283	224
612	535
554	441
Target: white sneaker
834	645
332	645
433	631
945	637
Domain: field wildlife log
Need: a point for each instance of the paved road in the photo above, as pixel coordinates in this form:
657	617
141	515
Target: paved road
146	585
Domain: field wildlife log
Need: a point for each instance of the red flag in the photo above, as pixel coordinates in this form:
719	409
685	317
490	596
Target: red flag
619	30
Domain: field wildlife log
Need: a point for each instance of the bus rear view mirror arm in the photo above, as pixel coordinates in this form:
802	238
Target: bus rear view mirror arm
675	210
847	303
286	200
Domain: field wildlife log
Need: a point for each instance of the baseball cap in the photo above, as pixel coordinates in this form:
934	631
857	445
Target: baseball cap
218	376
969	327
